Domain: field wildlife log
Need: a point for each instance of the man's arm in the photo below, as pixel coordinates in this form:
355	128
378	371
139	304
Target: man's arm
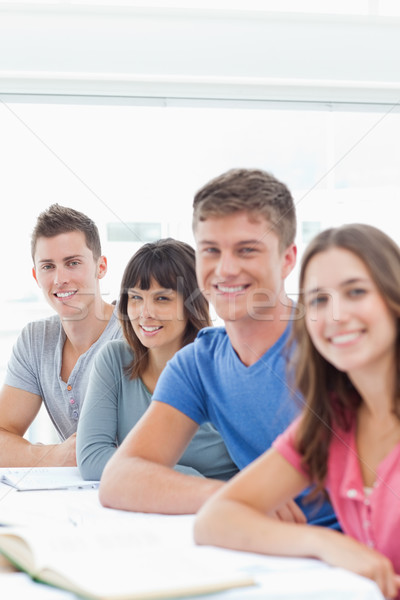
17	411
140	475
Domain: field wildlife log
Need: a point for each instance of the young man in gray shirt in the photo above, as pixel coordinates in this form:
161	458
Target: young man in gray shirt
52	357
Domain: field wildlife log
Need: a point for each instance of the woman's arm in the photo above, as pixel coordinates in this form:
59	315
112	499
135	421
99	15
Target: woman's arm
97	427
236	517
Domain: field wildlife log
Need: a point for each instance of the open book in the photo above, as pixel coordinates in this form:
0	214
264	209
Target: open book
115	563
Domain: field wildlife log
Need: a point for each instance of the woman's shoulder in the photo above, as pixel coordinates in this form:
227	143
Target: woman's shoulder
115	351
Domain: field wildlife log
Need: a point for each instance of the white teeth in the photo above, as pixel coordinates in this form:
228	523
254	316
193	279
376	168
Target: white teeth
64	294
230	290
345	337
150	329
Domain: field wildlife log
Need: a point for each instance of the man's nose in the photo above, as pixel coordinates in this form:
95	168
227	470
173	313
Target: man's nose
227	265
60	275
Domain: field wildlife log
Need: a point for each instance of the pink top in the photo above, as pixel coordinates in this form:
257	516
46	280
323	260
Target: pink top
373	518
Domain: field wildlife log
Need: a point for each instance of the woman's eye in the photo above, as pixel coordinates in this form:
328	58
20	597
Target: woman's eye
318	300
357	292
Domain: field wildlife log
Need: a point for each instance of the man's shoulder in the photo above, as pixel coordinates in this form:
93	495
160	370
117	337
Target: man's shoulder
208	342
37	339
211	335
51	324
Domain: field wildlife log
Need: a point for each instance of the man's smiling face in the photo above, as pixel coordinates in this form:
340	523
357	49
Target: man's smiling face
240	267
67	273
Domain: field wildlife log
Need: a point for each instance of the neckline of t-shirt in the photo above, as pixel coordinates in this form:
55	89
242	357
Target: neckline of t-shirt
270	352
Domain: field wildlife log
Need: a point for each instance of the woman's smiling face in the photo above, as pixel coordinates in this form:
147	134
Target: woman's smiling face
347	318
157	316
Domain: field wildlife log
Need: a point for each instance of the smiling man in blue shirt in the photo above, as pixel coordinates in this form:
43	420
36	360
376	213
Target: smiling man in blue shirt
235	376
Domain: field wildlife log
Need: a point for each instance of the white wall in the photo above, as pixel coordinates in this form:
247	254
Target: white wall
209	54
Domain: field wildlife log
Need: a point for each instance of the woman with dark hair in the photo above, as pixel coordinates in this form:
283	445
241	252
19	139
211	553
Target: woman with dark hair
347	439
161	310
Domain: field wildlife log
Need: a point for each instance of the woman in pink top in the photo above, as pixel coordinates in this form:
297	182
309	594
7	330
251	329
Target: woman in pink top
347	439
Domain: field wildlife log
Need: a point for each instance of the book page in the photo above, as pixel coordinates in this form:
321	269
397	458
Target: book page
21	586
129	560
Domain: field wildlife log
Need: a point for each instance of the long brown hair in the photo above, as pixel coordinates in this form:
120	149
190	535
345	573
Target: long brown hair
171	264
330	398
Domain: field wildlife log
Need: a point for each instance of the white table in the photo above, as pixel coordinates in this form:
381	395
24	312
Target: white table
277	578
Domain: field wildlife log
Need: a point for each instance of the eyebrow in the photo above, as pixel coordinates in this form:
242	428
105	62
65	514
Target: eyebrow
342	284
156	292
253	242
65	259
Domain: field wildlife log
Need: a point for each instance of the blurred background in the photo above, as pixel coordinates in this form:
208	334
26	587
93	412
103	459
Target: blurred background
123	110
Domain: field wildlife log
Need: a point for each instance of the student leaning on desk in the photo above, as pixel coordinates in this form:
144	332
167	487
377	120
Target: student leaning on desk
234	377
52	357
347	439
161	311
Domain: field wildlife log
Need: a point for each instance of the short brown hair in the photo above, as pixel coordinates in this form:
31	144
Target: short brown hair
171	264
253	191
59	219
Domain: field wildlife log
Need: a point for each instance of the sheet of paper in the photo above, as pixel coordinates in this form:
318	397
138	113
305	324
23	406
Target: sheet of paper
45	478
